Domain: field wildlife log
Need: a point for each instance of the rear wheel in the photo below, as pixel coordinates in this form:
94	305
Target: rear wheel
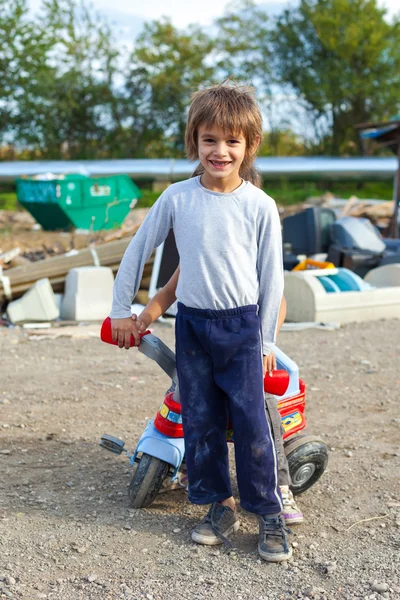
147	480
308	459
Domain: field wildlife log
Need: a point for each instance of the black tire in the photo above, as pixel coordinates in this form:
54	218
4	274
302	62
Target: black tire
147	481
307	462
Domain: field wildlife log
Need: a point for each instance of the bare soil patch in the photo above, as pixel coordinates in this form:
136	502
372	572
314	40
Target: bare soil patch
66	529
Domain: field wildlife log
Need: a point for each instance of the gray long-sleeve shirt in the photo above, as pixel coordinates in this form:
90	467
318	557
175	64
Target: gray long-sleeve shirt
230	251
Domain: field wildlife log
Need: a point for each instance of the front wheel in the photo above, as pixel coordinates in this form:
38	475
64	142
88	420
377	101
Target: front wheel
147	480
307	460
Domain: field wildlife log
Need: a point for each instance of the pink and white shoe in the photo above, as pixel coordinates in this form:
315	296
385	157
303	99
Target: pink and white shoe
291	512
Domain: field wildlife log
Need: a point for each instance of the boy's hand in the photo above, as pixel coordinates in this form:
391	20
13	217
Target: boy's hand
143	322
269	363
122	329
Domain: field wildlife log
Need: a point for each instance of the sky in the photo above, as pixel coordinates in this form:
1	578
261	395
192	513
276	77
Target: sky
130	16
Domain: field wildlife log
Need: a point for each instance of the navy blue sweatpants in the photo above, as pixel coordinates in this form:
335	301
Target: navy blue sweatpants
219	363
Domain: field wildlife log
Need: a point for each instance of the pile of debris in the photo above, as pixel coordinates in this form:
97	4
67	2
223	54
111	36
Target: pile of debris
28	254
379	212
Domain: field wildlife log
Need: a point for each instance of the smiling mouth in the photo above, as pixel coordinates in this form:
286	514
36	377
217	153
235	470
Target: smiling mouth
220	163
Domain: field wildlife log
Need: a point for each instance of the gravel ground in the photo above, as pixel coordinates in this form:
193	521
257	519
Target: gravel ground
66	529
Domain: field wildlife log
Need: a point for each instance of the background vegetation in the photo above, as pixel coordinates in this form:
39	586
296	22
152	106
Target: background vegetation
68	90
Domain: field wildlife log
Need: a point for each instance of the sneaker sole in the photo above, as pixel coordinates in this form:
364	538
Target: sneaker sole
293	520
207	540
275	557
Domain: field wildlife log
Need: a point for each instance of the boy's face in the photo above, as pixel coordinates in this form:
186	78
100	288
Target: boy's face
221	154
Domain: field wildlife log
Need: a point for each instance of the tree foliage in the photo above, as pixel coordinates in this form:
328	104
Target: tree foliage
342	58
70	104
68	90
23	51
167	66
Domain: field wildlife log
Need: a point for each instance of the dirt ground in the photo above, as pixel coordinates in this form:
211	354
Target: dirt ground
66	529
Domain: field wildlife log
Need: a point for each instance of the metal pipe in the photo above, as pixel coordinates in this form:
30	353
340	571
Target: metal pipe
176	169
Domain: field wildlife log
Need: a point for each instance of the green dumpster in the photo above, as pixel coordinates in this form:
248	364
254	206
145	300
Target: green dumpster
75	200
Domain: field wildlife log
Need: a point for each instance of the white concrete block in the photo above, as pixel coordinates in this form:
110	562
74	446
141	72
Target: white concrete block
88	294
386	276
37	304
307	300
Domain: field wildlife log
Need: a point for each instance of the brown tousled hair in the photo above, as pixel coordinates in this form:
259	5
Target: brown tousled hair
234	109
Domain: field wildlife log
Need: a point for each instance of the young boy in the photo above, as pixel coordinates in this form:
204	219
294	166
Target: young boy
229	291
156	307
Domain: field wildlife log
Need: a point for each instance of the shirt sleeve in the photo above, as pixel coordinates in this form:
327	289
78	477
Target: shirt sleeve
270	274
150	234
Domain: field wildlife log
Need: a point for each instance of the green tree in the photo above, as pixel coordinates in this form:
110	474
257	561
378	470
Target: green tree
282	142
23	48
166	66
242	45
244	51
69	109
342	58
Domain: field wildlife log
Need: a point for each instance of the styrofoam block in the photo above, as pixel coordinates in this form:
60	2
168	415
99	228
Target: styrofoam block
307	300
385	276
88	294
37	304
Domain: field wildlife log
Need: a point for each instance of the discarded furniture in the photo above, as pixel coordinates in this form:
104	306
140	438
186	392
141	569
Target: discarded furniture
308	232
337	295
37	304
66	201
358	246
349	242
88	294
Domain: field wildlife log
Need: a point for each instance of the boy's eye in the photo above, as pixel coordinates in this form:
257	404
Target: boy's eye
233	141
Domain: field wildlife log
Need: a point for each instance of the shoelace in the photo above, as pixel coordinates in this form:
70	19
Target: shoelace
275	526
288	498
210	518
287	501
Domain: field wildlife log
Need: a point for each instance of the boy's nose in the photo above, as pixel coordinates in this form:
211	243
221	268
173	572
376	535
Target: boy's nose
220	150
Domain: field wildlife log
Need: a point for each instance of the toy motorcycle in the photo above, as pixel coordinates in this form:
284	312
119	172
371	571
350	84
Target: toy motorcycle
161	449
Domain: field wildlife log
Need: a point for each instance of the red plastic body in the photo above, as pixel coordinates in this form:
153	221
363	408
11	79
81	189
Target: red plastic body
277	383
292	412
106	333
168	419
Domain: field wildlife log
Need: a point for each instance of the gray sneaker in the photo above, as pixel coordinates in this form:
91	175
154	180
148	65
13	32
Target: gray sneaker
219	522
272	544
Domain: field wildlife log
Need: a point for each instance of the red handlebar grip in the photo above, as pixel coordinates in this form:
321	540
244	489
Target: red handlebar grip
106	333
277	383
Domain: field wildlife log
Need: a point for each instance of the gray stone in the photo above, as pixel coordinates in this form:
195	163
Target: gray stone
379	587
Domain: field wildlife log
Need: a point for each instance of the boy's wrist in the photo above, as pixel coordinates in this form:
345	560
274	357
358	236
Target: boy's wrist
268	347
145	318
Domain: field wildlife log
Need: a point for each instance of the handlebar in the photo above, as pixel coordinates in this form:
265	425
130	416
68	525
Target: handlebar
275	384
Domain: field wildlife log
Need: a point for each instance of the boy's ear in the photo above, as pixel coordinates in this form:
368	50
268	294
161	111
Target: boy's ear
255	144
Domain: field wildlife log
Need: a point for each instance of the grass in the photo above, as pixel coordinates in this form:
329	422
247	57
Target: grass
148	198
285	192
8	201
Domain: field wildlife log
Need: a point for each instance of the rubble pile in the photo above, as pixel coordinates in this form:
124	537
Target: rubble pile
27	253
